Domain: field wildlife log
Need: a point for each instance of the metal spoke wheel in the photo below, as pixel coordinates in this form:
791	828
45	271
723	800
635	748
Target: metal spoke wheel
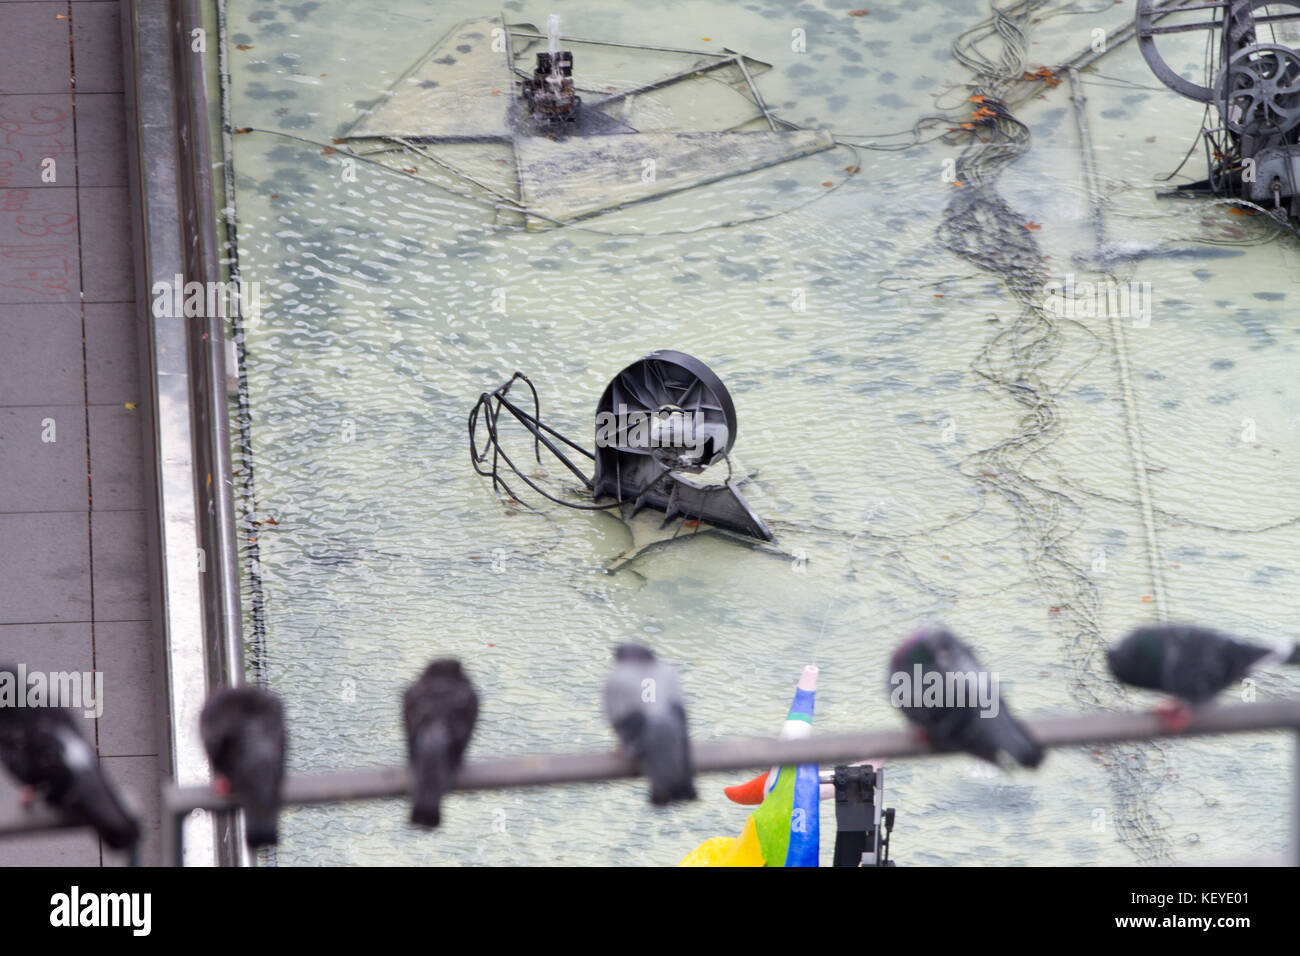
1258	90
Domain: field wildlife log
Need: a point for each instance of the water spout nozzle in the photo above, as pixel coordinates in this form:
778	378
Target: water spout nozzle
553	42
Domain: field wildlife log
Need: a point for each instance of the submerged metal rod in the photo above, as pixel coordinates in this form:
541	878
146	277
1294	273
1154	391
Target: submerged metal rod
629	46
1133	430
668	80
758	97
1116	38
1090	179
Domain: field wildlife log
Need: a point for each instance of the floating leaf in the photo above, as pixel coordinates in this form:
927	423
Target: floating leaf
1033	226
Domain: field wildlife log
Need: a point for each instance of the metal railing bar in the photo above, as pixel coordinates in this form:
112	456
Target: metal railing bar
384	783
37	818
742	754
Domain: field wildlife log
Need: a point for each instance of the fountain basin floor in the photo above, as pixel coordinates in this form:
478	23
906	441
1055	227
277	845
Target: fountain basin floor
857	350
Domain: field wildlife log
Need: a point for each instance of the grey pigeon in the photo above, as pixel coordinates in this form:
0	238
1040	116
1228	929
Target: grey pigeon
43	749
1191	663
949	722
440	709
243	733
644	704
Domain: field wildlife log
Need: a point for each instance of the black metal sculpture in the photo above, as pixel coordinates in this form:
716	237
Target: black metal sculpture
662	420
1253	153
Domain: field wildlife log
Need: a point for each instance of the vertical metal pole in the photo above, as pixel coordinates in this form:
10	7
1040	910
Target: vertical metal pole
1295	803
173	828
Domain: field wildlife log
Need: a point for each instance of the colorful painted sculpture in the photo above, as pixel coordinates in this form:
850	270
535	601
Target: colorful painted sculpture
784	830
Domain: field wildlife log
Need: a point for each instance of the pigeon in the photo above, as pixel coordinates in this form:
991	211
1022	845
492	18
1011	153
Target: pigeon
243	733
644	704
1191	663
44	750
440	710
951	722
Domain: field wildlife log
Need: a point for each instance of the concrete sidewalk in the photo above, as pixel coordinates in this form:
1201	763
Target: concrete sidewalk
73	570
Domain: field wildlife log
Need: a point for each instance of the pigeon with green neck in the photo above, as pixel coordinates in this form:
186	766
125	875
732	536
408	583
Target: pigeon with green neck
962	722
1192	664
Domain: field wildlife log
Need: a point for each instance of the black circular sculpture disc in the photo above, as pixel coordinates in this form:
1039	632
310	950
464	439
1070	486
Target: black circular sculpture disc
674	393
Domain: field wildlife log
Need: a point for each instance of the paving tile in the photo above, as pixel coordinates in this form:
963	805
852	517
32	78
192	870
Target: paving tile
39	245
37	474
138	779
47	647
60	848
97	47
35	127
101	139
34	54
112	353
124	654
45	553
59	652
121	567
106	267
45	567
40	355
116	468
